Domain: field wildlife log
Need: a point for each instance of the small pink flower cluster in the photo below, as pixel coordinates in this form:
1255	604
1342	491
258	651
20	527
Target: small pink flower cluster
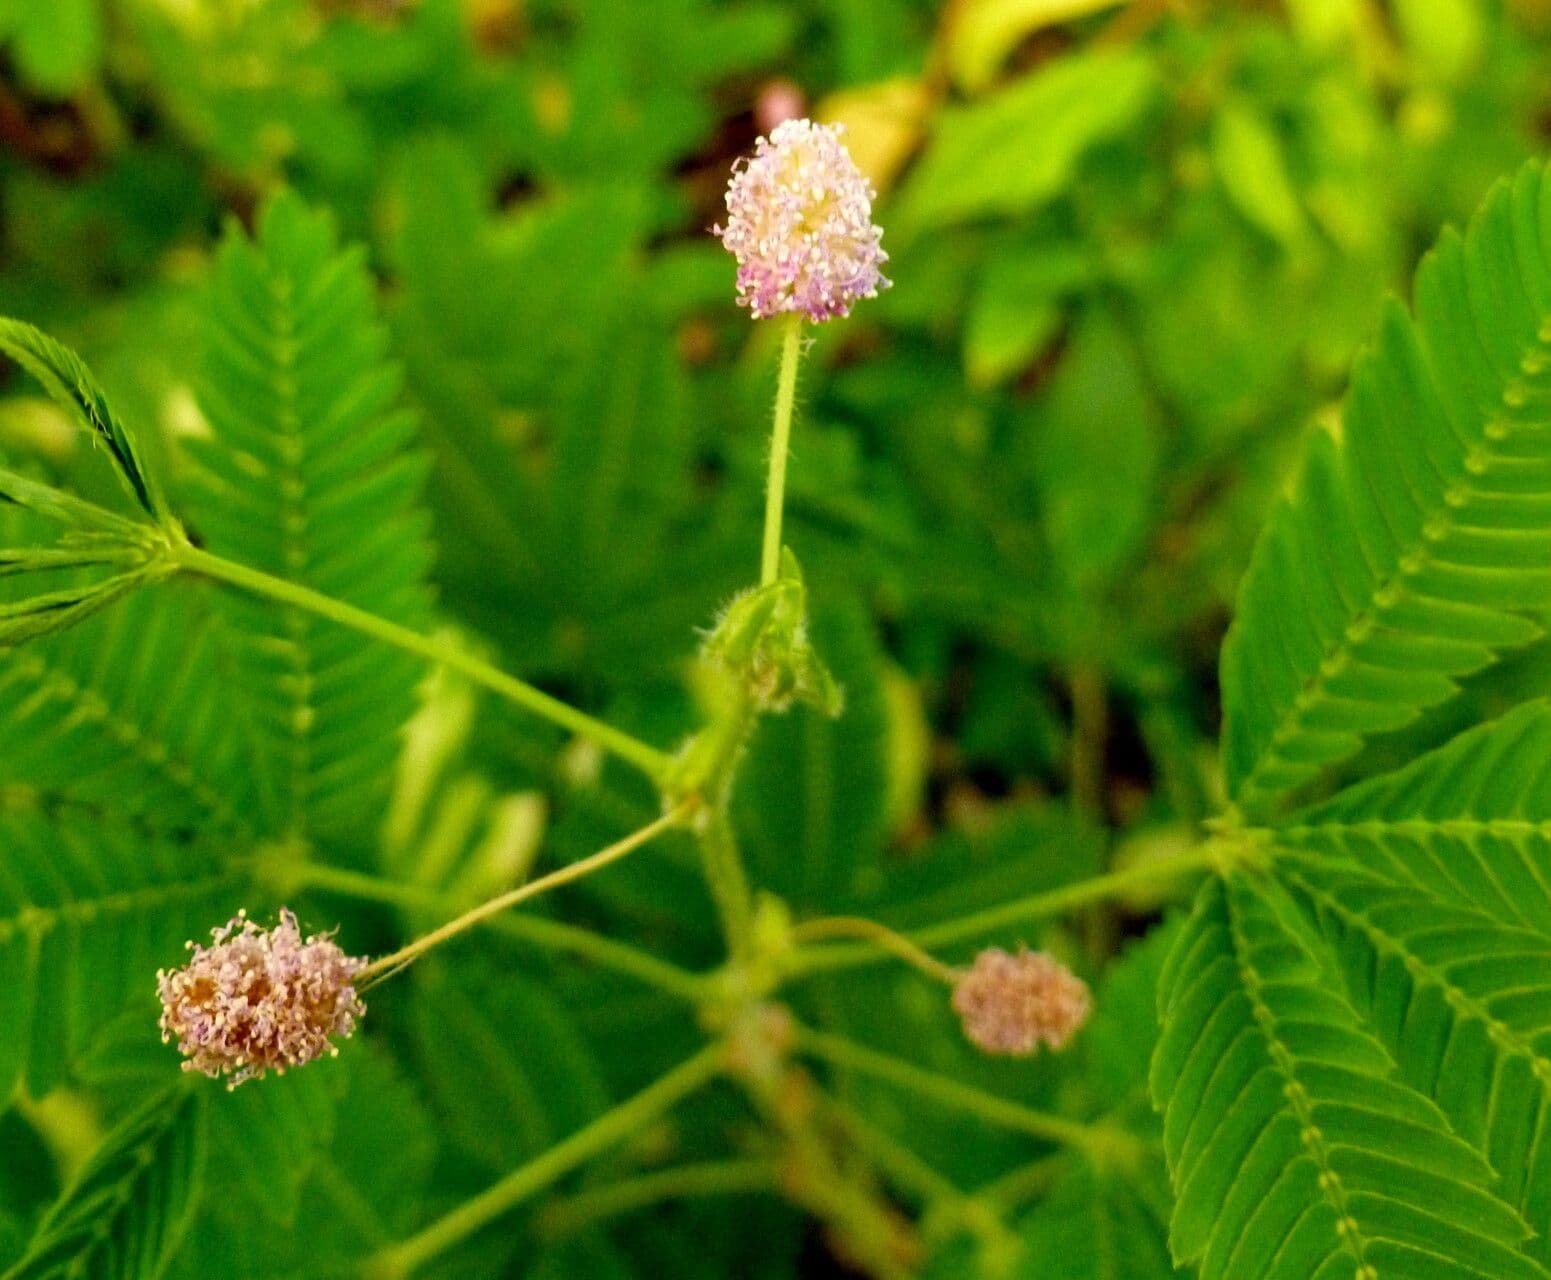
259	1000
1012	1004
799	222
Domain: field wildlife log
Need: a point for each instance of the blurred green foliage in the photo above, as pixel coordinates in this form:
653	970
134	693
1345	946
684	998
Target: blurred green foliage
1135	248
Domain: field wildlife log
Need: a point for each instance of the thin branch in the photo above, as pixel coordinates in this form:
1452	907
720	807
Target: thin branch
406	1257
843	1053
575	1213
390	964
652	762
811	931
780	447
1037	906
537	931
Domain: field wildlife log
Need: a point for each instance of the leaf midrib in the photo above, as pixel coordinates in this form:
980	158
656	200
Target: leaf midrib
1312	1143
90	706
1439	522
36	921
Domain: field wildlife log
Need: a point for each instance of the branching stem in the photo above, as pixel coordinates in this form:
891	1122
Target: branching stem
628	1195
648	759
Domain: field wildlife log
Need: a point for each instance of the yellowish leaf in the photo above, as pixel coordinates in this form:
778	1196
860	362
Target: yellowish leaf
884	124
983	32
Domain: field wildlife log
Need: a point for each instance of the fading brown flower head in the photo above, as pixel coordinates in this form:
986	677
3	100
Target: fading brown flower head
1012	1004
259	1000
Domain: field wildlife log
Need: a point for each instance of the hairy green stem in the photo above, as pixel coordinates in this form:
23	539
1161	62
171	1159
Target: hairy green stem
652	762
536	931
388	965
1020	911
728	881
846	1054
709	1178
780	446
879	935
404	1258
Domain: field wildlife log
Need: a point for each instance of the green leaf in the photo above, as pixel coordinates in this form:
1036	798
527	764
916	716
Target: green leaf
29	1183
89	910
367	1187
1016	309
504	1064
270	1135
1096	454
1252	167
1119	1039
71	386
1430	885
1416	541
1020	849
270	1138
55	504
125	1216
22	560
1018	148
1092	1227
556	412
811	796
1293	1148
309	477
58	45
125	712
1466	824
345	1157
36	616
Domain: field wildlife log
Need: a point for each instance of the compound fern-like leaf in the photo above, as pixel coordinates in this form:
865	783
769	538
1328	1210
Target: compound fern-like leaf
125	712
1418	537
308	476
1433	888
89	909
70	384
1294	1149
126	1215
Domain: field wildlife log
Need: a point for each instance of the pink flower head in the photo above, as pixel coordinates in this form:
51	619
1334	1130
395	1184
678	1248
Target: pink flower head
259	1000
799	222
1012	1004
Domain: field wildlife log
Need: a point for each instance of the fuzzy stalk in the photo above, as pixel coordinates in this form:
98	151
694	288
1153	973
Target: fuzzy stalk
405	956
727	879
880	935
780	446
535	931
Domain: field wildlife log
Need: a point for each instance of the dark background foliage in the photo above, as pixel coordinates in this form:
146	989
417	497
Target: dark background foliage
1135	249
